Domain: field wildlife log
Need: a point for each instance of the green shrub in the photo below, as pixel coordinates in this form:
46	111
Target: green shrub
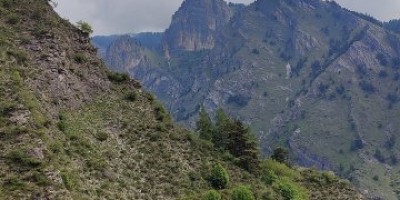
13	19
20	56
160	112
131	96
7	3
329	177
268	177
68	180
118	77
13	183
40	178
56	147
219	178
291	191
62	126
212	195
102	136
281	155
242	193
21	158
149	96
280	169
80	58
40	30
85	27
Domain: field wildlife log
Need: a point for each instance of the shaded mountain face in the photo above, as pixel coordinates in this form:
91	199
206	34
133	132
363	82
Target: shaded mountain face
306	74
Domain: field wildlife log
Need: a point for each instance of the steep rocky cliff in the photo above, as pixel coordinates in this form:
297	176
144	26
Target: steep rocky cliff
306	74
198	31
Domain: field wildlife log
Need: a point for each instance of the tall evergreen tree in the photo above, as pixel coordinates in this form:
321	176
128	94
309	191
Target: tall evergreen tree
220	131
281	155
242	144
204	125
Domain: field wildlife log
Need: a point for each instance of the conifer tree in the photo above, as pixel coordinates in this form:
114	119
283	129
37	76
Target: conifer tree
204	125
220	131
281	155
242	144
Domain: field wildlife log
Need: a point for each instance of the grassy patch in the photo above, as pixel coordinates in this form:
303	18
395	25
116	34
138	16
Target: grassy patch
118	77
80	58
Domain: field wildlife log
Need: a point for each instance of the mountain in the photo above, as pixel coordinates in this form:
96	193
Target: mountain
305	74
71	129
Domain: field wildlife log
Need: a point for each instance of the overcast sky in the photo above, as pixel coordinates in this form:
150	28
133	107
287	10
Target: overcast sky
129	16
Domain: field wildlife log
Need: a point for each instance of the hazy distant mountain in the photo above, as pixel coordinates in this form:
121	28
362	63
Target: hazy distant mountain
306	74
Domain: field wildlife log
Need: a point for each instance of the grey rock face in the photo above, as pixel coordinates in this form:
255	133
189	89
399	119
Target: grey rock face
195	25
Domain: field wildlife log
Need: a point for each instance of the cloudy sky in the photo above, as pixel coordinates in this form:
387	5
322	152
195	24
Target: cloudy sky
127	16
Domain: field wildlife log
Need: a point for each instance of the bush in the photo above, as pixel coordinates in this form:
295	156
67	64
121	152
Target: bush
357	144
160	112
80	58
68	180
242	193
268	177
361	70
21	158
291	191
280	169
316	68
85	27
219	178
379	156
131	96
101	136
238	100
13	19
340	90
281	155
20	56
396	63
255	51
118	77
367	87
382	59
8	3
393	98
383	74
212	195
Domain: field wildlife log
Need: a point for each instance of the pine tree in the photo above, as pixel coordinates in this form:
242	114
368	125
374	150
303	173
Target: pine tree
281	155
204	125
242	144
220	131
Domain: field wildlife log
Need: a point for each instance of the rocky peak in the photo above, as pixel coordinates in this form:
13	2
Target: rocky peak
120	47
195	24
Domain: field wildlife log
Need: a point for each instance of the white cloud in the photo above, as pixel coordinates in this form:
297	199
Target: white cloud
127	16
383	10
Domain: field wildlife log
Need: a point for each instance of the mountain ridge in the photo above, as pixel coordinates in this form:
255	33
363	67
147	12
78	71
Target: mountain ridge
309	75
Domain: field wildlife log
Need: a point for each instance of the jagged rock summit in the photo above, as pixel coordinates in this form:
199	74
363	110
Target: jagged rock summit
198	31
